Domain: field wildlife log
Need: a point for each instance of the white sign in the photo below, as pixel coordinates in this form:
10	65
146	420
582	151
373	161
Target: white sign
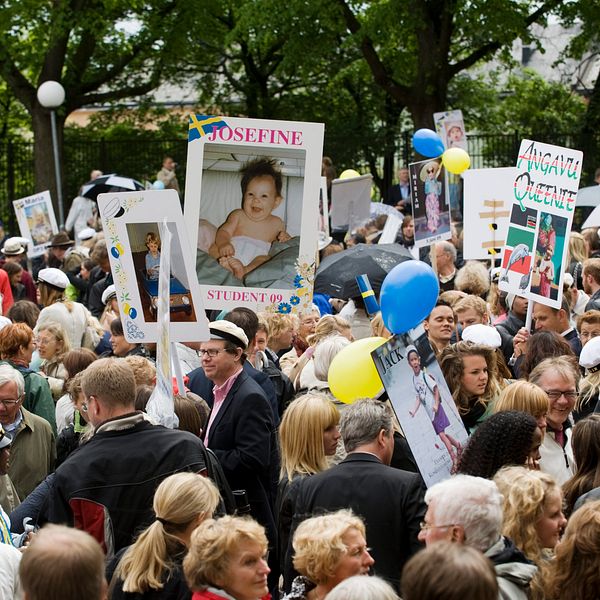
423	403
251	205
543	203
488	194
37	223
131	225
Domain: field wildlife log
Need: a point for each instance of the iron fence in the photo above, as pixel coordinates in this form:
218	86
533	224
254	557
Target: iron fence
142	159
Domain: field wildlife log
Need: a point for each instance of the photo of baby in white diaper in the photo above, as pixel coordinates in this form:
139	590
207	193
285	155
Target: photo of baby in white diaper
243	241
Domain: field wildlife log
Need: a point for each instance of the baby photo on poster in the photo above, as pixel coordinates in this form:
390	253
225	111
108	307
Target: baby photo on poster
250	215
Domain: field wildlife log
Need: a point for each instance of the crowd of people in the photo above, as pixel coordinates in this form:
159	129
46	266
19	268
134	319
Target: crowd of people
271	487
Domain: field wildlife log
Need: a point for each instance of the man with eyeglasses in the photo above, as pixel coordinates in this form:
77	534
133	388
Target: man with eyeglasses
468	510
33	448
559	378
241	428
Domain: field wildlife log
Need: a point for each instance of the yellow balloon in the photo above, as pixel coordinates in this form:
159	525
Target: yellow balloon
349	174
456	160
352	373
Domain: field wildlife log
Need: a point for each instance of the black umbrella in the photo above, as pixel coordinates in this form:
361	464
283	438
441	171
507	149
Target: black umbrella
109	183
337	273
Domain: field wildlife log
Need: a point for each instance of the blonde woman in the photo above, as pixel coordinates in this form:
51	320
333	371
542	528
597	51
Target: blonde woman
524	397
227	560
471	374
52	344
152	566
327	550
574	573
533	517
308	435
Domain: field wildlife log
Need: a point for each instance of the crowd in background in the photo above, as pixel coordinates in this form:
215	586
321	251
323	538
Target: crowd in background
270	485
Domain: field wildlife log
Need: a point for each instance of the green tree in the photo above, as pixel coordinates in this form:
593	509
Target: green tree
100	50
415	48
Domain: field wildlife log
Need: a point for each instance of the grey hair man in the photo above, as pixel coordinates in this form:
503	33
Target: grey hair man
54	555
468	510
389	500
445	257
32	447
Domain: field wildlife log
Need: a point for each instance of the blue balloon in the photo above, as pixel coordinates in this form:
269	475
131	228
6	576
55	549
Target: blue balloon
158	185
408	294
428	143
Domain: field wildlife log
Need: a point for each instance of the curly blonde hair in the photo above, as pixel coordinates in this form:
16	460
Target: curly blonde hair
213	543
318	544
451	361
328	325
574	573
525	496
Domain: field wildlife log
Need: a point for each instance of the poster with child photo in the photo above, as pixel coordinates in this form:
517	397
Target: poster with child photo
131	225
251	205
37	223
430	212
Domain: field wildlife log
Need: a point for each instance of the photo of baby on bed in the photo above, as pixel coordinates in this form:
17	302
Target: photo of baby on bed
250	214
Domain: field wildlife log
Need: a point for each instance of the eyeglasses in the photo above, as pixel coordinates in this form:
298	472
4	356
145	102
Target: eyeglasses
556	394
425	526
9	403
43	342
211	352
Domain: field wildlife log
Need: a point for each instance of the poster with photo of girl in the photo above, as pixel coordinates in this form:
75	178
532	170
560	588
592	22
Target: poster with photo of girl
422	402
430	211
37	223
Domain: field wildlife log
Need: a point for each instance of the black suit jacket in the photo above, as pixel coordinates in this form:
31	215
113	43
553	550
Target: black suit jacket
389	500
244	439
200	384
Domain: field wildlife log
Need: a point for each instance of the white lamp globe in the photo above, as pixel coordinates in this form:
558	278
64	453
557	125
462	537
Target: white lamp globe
51	94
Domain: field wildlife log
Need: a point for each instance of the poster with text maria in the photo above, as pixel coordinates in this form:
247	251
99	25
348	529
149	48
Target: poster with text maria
251	205
430	210
37	223
544	195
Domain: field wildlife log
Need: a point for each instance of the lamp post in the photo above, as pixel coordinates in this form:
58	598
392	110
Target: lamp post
51	94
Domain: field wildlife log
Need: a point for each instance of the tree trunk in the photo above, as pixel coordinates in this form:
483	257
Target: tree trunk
43	155
423	107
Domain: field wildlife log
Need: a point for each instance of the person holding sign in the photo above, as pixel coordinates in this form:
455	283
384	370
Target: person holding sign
428	395
243	242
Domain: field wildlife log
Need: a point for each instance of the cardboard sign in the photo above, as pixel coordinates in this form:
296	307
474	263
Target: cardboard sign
37	223
544	196
251	205
451	128
131	224
489	196
422	402
430	212
350	202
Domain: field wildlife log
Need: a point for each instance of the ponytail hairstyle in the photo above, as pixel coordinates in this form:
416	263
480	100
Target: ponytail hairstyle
179	500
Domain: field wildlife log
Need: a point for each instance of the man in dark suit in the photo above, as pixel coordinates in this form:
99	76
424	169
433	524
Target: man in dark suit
390	501
241	429
399	193
201	385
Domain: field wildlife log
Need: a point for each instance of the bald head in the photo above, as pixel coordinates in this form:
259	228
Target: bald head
63	564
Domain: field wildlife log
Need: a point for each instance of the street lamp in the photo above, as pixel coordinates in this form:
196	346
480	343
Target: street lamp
51	95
